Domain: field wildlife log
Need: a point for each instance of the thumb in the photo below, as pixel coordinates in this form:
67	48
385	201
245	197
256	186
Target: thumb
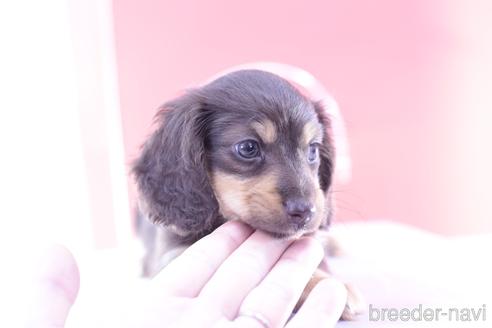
57	282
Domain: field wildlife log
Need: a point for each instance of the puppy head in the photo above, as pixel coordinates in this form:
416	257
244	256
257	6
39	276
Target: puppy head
247	146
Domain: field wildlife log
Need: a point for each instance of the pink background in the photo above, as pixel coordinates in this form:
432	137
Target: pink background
412	78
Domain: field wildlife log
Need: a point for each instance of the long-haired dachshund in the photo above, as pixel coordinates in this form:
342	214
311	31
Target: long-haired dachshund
247	146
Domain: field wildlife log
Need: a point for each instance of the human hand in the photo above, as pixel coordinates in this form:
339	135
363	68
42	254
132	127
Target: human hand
239	278
232	278
57	284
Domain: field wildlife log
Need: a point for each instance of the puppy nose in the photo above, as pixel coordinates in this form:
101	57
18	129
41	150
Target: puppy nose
300	211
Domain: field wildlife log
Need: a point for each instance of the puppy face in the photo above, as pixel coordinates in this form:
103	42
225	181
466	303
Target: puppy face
247	146
264	167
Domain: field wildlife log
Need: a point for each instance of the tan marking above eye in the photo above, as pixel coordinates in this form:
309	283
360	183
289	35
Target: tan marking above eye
266	130
311	131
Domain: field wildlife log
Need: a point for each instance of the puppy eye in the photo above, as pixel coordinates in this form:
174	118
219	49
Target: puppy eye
248	149
313	152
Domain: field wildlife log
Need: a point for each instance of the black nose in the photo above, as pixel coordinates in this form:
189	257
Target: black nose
299	210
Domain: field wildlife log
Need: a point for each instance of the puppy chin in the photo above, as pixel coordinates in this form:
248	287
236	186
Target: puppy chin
288	233
280	228
287	236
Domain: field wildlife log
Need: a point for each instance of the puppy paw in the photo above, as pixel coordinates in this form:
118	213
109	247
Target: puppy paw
332	246
355	303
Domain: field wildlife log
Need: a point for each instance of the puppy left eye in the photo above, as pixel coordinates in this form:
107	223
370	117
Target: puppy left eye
313	153
248	149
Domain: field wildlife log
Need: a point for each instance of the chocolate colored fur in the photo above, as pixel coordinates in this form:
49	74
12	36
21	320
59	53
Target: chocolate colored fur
195	171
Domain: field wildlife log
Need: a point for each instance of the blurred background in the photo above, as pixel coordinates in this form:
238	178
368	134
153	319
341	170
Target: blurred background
413	80
80	82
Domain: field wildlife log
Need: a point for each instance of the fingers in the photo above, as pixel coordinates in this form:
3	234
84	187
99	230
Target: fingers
242	271
272	301
188	273
57	281
323	307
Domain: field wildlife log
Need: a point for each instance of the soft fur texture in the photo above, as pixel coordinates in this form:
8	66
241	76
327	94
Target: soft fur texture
248	146
173	172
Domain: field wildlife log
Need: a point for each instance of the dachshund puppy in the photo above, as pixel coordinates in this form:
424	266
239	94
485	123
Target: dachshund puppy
247	146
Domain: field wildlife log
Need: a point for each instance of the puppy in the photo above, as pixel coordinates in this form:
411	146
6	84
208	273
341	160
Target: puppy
247	146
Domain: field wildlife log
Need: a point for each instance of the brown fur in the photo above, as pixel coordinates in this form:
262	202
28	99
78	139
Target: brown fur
266	130
247	146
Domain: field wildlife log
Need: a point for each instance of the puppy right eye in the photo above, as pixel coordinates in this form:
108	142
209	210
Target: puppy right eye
248	149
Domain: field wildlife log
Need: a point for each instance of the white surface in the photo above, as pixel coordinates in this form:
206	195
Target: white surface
396	266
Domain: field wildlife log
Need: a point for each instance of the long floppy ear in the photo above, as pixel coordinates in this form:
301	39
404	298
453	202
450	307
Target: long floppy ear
171	172
327	160
326	150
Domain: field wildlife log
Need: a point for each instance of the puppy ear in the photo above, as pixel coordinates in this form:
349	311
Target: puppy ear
327	160
326	150
171	172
